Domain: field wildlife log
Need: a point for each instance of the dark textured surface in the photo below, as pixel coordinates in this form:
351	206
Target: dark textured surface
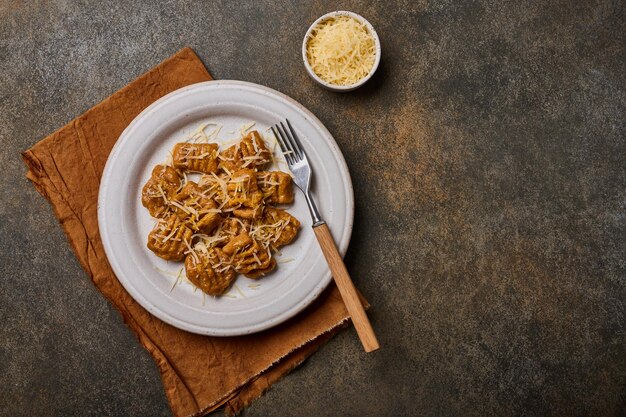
489	163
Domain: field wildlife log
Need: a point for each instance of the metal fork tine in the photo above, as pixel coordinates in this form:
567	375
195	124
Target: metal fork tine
277	136
296	139
281	143
285	137
293	144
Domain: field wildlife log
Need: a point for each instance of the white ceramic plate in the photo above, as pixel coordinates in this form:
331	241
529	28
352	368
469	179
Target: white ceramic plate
250	305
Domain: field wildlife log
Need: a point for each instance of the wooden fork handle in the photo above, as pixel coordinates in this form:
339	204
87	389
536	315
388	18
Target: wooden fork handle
346	288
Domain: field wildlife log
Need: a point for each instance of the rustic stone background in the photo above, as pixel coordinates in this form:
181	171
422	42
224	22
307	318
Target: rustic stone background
489	163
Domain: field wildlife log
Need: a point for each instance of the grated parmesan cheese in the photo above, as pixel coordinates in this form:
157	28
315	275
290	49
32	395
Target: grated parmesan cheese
341	50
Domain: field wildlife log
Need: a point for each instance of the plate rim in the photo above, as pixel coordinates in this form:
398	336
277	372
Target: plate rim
280	318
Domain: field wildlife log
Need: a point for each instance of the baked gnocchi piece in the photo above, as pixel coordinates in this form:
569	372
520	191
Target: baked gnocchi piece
246	254
282	226
250	152
195	157
254	153
276	186
258	273
159	189
209	270
215	186
170	239
233	226
196	209
230	158
244	195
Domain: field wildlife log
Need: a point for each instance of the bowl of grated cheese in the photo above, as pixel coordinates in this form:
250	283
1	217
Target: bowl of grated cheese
341	51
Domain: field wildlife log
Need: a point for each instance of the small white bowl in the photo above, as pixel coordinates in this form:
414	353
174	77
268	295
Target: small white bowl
334	87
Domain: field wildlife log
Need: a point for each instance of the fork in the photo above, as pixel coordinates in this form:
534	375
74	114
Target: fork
296	158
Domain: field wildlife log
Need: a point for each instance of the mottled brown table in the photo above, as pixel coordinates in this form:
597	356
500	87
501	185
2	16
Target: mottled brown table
488	157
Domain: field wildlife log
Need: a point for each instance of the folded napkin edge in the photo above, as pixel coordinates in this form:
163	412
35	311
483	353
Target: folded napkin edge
341	324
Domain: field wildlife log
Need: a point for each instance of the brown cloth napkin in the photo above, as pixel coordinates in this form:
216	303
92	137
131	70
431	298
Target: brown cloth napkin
199	373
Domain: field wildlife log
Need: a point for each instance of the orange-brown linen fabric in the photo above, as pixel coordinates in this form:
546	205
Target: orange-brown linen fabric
199	373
